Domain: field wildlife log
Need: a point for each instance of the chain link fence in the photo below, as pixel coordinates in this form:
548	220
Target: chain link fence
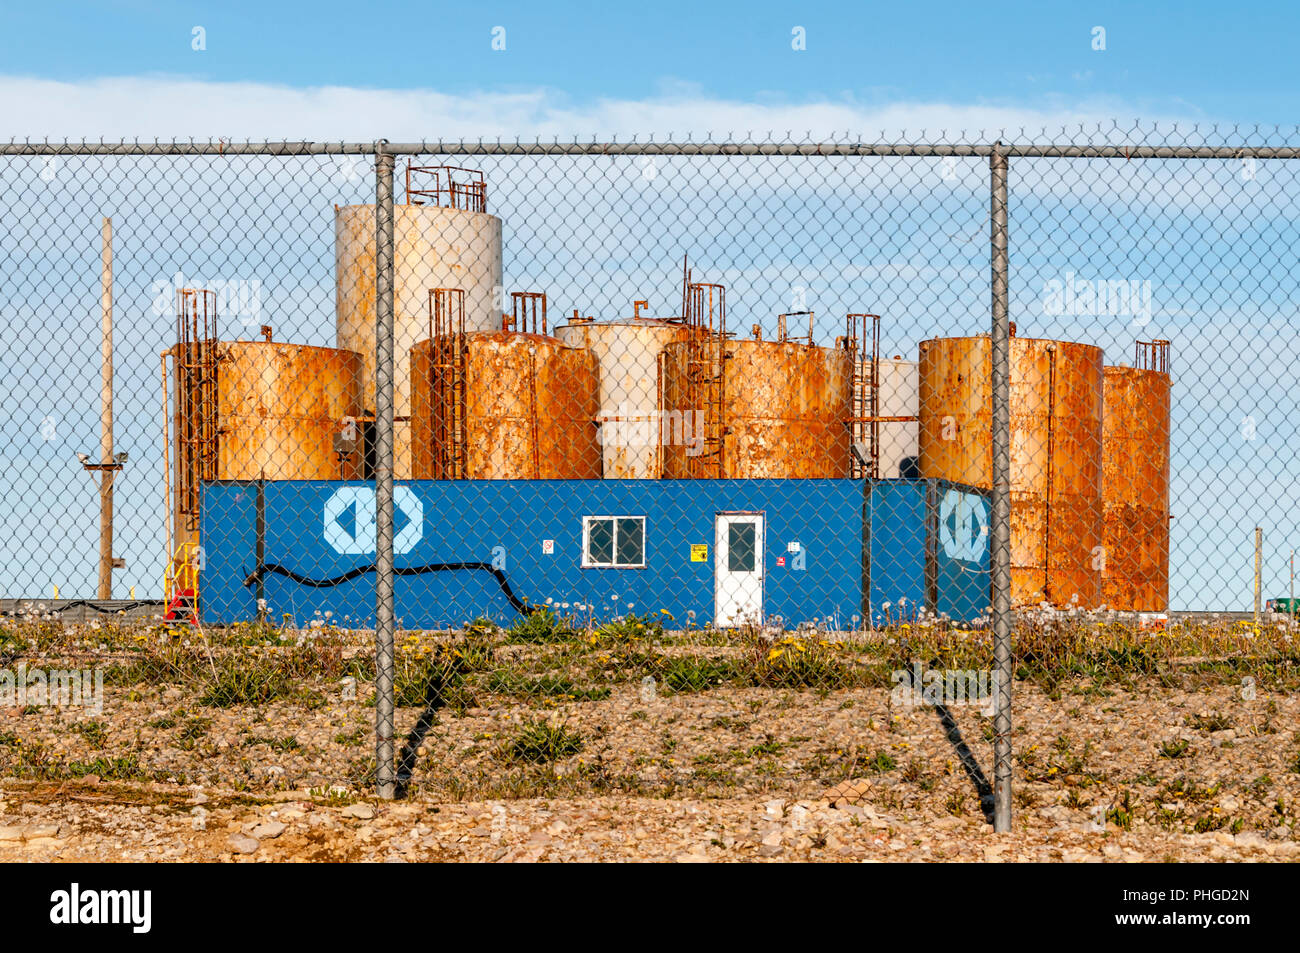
670	470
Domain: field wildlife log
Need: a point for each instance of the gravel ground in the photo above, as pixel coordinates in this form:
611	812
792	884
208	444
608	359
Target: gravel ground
1142	771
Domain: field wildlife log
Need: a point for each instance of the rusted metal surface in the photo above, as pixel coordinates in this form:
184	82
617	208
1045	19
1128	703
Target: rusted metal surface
274	414
1056	424
434	247
1135	487
529	408
785	410
279	407
449	186
704	382
629	425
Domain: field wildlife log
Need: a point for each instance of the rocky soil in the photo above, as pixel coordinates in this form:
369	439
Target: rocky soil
1132	772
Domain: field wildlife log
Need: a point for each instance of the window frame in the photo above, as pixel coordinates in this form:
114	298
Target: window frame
587	522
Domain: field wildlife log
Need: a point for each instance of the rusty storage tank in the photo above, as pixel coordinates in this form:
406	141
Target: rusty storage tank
443	237
503	405
627	353
1056	414
1135	482
755	409
249	410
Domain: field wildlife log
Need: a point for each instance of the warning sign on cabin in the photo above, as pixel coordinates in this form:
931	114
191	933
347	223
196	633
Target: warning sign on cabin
699	552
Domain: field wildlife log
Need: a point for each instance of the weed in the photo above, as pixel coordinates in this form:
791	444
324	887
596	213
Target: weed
540	742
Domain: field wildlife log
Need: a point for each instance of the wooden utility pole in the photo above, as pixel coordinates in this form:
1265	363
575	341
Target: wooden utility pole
106	415
1259	572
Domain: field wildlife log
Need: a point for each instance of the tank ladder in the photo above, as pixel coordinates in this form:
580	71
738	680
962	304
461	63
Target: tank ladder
706	377
528	316
448	388
864	425
196	398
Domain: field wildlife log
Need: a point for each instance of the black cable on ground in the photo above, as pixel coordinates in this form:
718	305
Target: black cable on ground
518	604
106	610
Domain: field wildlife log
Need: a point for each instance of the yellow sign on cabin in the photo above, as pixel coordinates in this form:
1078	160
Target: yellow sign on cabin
699	552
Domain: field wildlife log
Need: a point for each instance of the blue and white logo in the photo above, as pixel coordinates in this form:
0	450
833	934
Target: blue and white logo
964	525
350	520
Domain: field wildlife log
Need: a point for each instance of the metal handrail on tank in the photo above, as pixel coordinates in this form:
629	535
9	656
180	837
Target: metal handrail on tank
1152	355
445	191
527	312
706	374
783	335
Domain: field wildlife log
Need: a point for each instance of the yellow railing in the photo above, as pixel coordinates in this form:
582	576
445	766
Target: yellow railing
182	572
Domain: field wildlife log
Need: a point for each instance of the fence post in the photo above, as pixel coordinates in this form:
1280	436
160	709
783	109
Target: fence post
384	609
1001	537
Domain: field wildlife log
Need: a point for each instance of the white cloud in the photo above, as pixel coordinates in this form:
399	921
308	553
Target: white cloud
168	106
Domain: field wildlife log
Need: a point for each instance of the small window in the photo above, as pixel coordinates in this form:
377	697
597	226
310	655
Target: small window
742	547
613	542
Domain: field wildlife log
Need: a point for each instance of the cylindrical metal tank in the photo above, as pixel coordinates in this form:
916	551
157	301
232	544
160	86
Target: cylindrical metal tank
628	421
1135	489
1056	411
781	408
279	407
899	382
249	410
433	247
503	405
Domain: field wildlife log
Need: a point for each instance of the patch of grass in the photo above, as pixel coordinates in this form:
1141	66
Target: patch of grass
505	682
541	625
633	628
95	732
540	742
1183	789
246	683
798	662
1180	748
1211	722
350	739
125	768
287	743
881	762
1121	814
192	729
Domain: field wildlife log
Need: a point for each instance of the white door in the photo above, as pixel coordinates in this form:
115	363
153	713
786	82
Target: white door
738	569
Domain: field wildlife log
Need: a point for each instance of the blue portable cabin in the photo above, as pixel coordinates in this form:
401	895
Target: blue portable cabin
704	551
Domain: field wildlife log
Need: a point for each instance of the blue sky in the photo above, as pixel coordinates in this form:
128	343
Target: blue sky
1195	59
904	237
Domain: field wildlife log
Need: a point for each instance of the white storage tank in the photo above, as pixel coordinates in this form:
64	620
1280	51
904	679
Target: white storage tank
627	352
899	445
434	246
